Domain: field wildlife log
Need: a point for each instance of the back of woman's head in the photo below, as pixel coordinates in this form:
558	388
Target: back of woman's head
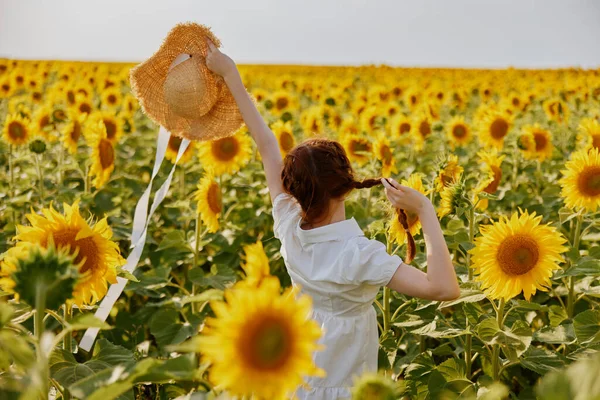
318	171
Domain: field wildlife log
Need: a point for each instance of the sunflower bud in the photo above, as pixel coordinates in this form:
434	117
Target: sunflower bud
371	386
268	104
59	115
45	269
37	146
286	116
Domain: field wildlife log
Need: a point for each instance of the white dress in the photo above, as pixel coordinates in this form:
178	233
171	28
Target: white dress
342	271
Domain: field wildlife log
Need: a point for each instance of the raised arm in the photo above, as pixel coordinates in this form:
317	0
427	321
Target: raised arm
439	283
266	141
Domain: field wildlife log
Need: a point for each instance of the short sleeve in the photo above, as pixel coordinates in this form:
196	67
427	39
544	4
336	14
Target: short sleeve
285	208
376	265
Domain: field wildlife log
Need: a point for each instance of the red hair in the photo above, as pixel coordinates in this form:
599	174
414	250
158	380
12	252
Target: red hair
317	171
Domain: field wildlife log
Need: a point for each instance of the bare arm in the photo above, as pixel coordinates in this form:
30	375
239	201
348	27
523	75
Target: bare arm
265	140
439	283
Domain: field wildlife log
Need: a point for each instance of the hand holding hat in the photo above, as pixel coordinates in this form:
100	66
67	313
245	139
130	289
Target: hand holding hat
218	62
188	99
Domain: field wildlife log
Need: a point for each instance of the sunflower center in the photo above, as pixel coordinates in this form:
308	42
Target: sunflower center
372	121
588	181
281	103
44	121
499	128
424	128
37	96
107	153
87	248
112	99
111	128
225	149
76	132
16	130
518	254
174	143
85	108
213	198
404	128
286	140
493	186
267	344
71	97
459	131
540	141
359	146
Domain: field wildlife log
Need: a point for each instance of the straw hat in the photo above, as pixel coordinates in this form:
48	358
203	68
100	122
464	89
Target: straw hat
186	97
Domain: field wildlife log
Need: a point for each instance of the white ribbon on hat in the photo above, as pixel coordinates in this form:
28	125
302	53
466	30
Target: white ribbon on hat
141	220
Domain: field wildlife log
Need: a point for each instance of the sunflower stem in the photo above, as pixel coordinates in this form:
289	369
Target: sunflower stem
38	330
12	190
496	347
68	314
471	238
40	177
196	251
468	357
576	241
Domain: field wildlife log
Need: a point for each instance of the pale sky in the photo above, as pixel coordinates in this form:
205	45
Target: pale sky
458	33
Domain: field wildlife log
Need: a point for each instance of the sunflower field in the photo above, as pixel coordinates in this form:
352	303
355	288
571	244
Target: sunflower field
510	158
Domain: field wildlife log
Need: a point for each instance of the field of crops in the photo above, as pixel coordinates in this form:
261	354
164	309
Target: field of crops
510	158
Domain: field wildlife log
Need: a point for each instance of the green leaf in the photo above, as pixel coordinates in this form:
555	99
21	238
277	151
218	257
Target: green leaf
557	315
220	277
14	348
541	360
586	266
123	273
6	313
85	321
167	329
466	296
579	381
487	330
555	335
175	240
527	305
179	302
112	354
587	327
432	330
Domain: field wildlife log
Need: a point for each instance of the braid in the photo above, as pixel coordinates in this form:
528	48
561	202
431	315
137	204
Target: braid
411	248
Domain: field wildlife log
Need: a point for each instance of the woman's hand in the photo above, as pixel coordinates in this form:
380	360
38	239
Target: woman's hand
219	63
405	197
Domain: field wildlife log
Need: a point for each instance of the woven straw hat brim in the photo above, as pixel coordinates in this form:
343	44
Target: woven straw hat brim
148	79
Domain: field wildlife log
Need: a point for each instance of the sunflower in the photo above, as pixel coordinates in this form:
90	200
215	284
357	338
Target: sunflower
97	255
173	150
458	131
226	155
412	98
348	127
73	130
449	172
42	123
6	88
210	202
422	129
270	335
556	110
285	136
112	124
16	130
312	121
257	264
396	229
282	102
494	127
260	95
492	176
516	255
589	133
536	142
358	148
9	263
581	180
452	197
384	153
111	98
400	127
103	155
84	105
370	119
130	105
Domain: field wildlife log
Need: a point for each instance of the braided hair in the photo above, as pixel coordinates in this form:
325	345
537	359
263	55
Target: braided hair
319	170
